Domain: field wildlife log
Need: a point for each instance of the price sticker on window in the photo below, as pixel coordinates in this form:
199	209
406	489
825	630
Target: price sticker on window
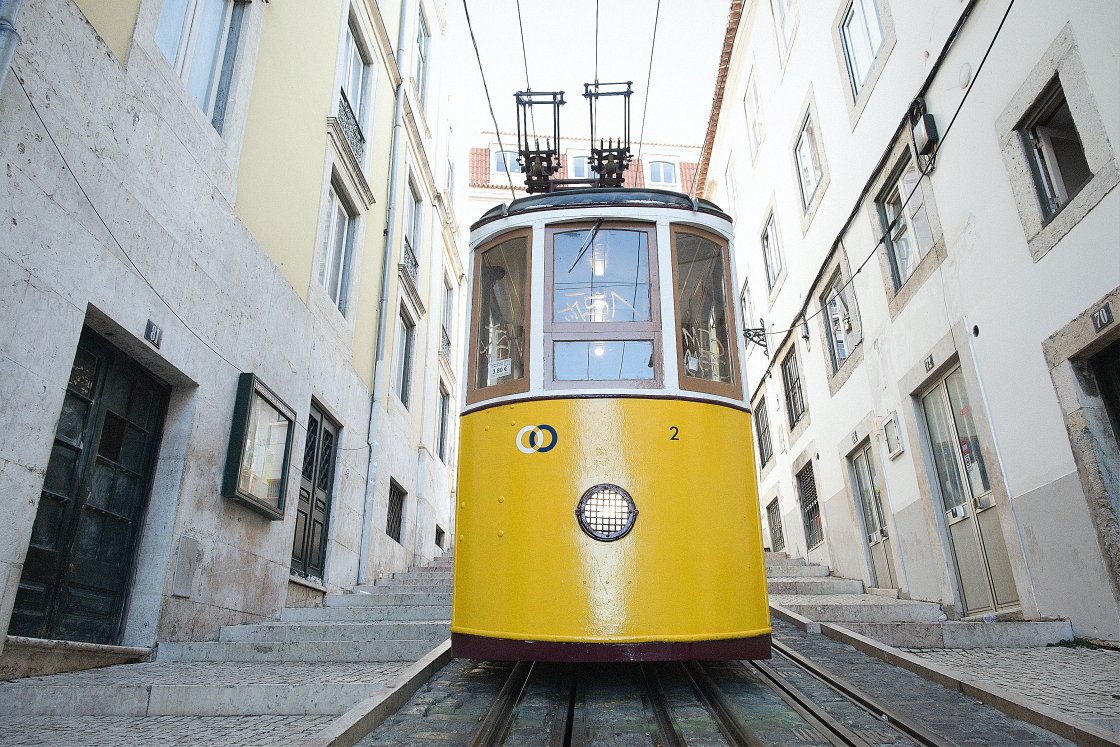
504	367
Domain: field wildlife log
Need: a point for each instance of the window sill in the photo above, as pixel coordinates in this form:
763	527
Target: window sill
841	375
310	583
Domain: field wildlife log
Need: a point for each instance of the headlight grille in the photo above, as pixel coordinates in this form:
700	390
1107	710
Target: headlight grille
606	512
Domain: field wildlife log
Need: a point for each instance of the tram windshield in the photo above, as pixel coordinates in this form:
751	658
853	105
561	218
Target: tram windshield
600	275
502	277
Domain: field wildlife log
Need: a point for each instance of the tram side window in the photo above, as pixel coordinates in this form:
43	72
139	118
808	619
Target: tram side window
499	342
708	356
604	315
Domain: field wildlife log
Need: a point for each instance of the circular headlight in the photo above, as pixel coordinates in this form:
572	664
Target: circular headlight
606	512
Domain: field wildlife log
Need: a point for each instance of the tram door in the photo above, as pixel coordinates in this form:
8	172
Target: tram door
874	520
79	561
983	567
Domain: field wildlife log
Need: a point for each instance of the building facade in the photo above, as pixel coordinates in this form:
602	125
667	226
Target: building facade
232	285
926	214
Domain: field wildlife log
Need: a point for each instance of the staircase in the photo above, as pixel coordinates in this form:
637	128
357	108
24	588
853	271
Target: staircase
313	661
809	591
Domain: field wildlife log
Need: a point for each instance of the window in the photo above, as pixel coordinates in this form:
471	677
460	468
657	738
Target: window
423	49
604	316
506	161
807	156
785	23
892	436
501	317
449	186
756	130
355	81
440	534
862	35
395	517
745	304
662	172
580	169
1055	152
406	334
448	319
771	252
762	433
906	230
791	381
413	217
810	510
705	334
444	415
334	264
839	320
774	521
731	192
199	39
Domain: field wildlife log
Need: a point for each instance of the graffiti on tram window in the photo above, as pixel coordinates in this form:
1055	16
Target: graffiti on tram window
705	354
592	306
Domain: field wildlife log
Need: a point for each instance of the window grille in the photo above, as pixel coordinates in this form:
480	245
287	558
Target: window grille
774	520
395	518
762	431
810	510
791	379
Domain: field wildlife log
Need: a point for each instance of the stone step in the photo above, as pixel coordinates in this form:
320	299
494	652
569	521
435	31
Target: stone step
197	689
783	559
814	586
390	598
337	631
958	634
882	592
382	613
295	651
851	608
406	584
796	571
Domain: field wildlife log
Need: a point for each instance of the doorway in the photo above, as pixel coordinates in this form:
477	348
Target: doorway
76	576
987	583
309	549
870	504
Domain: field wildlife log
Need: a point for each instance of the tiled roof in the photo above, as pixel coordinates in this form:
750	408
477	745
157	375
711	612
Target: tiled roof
733	17
688	174
635	174
480	167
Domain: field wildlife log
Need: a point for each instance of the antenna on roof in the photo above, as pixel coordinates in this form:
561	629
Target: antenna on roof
537	163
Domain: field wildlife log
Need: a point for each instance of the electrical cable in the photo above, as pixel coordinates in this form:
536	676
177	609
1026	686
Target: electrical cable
489	103
649	75
116	241
902	209
525	60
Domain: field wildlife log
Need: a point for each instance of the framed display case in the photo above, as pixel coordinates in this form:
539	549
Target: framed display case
260	445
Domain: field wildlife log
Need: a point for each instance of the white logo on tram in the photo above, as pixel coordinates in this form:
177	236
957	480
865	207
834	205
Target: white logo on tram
536	441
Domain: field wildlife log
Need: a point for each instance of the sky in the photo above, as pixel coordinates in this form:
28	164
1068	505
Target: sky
561	54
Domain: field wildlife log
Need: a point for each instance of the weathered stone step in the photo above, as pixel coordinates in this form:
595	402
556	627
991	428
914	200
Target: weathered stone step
288	651
337	631
783	559
796	571
846	608
406	584
391	598
381	613
814	586
958	634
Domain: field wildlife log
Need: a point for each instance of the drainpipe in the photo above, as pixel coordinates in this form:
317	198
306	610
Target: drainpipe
9	39
396	159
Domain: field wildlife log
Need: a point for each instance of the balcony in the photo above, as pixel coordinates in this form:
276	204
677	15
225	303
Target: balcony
351	130
410	264
445	345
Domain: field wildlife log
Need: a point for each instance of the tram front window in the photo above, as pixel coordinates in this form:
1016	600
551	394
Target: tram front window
601	276
603	360
502	304
707	353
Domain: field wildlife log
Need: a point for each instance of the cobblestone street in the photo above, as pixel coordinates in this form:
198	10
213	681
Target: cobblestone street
115	731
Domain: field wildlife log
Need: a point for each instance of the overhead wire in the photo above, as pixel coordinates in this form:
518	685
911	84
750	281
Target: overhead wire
525	60
489	102
124	252
918	185
649	76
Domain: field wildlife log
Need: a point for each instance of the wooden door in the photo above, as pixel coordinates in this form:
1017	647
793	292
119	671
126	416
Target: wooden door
79	562
309	547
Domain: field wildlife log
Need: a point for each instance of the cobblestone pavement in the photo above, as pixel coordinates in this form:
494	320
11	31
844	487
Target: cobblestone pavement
157	731
225	673
958	719
1081	681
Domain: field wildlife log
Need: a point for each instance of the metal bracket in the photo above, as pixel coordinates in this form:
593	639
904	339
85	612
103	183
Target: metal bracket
757	335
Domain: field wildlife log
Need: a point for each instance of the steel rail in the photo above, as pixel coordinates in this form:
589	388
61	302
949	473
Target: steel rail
495	726
831	729
909	727
667	733
708	693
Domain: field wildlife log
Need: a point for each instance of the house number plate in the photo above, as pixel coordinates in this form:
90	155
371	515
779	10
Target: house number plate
1103	317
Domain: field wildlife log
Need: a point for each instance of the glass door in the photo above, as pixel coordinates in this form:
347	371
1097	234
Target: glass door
979	552
874	520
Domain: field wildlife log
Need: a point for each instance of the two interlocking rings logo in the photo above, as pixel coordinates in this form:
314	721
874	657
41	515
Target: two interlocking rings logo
536	441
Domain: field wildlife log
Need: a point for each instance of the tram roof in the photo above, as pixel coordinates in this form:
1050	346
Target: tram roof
600	197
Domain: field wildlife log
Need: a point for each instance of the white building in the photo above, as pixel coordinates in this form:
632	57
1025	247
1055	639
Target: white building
927	219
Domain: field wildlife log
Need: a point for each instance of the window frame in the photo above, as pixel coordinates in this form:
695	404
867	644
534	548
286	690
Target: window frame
496	155
755	124
838	288
661	163
794	394
423	51
732	389
443	422
1053	194
587	172
762	433
772	222
893	189
602	331
475	393
399	494
336	202
778	540
785	26
365	98
812	530
405	353
808	127
846	41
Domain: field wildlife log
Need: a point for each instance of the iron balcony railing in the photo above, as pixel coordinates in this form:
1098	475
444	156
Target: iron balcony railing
410	263
350	128
445	344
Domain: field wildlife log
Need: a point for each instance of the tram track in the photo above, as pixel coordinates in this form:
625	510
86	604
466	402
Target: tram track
658	704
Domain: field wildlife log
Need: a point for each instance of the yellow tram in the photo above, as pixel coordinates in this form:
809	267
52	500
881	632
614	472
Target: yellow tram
607	506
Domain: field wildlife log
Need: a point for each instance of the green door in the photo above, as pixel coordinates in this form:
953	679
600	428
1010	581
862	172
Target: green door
79	561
